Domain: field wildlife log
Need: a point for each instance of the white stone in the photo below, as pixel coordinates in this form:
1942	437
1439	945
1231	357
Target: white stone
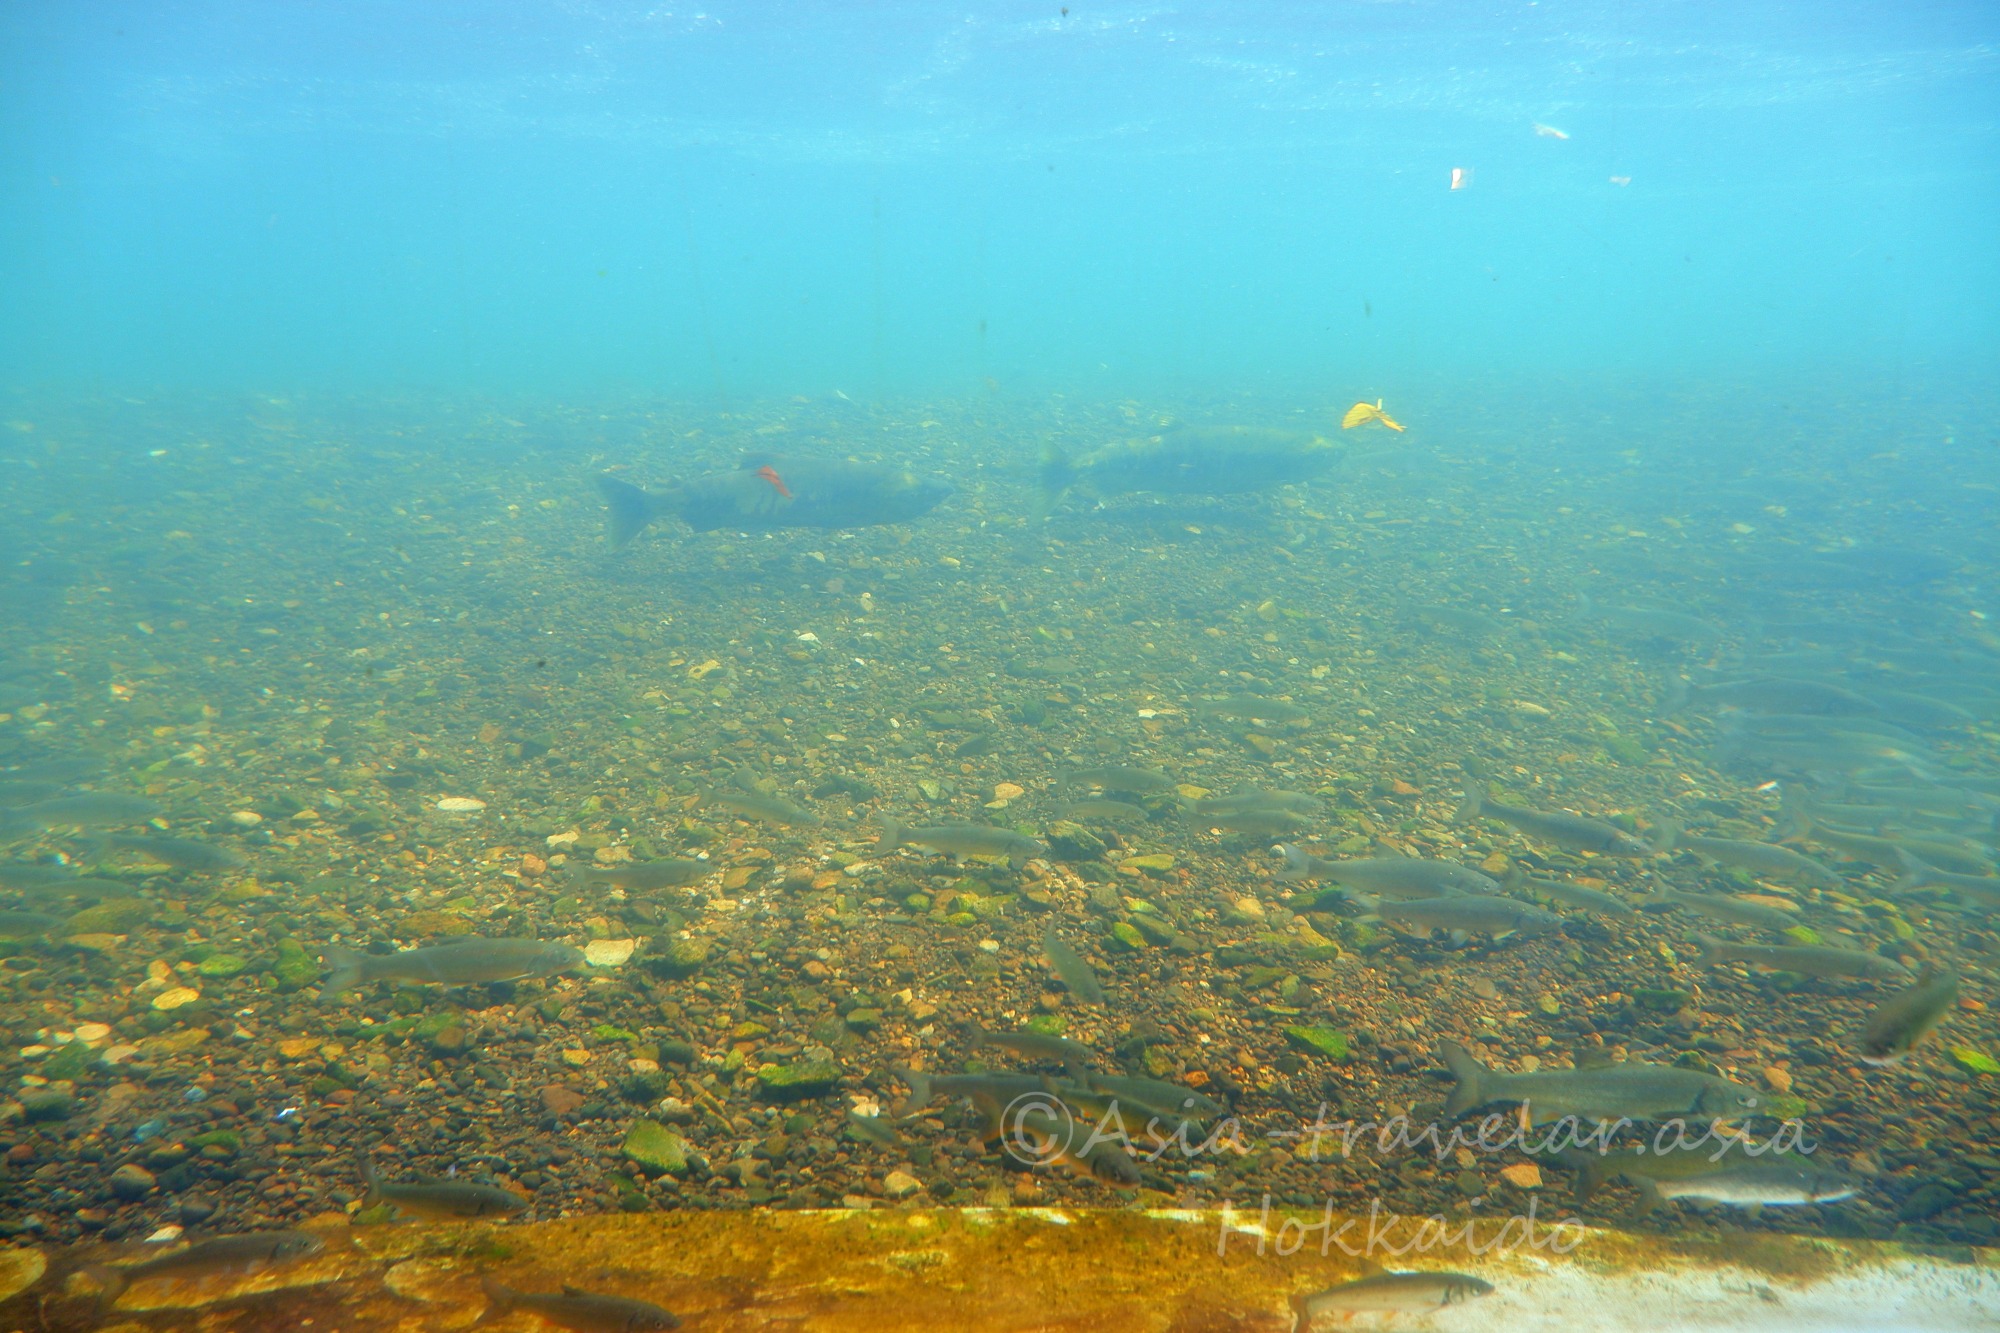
609	953
461	805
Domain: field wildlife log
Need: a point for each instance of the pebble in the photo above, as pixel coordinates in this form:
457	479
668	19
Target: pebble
900	1184
609	953
132	1181
1522	1175
173	997
1778	1080
246	818
92	1033
461	805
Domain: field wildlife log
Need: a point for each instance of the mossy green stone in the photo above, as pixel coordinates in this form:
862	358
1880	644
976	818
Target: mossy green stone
221	965
295	968
67	1063
113	916
1318	1041
1128	935
655	1149
795	1082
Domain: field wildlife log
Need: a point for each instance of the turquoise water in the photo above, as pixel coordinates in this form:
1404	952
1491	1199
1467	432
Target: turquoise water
915	198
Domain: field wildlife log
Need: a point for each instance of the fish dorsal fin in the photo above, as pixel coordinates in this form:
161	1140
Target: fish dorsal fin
571	1289
1592	1057
1369	1268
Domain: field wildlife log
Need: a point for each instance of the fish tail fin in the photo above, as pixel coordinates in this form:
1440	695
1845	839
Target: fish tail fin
892	835
1680	693
1056	474
1649	1197
631	509
1298	865
1665	834
1592	1170
371	1180
1916	873
1515	879
1471	1076
1585	608
1794	812
343	972
1470	803
110	1283
1301	1312
920	1092
1712	949
500	1297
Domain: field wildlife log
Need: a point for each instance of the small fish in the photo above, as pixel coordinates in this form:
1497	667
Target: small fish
89	810
1548	132
1250	708
439	1200
645	876
1388	876
27	925
1379	1291
73	769
182	853
1696	1171
1647	623
1458	620
759	808
1153	1095
461	962
875	1129
1984	890
1577	833
1726	907
1469	914
1761	858
1630	1089
1806	961
1567	893
1261	823
1032	1045
926	1088
1074	972
251	1252
1119	778
1056	1136
1770	694
44	877
770	474
1103	810
818	493
1190	460
1957	855
1903	1020
961	840
581	1311
1258	798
